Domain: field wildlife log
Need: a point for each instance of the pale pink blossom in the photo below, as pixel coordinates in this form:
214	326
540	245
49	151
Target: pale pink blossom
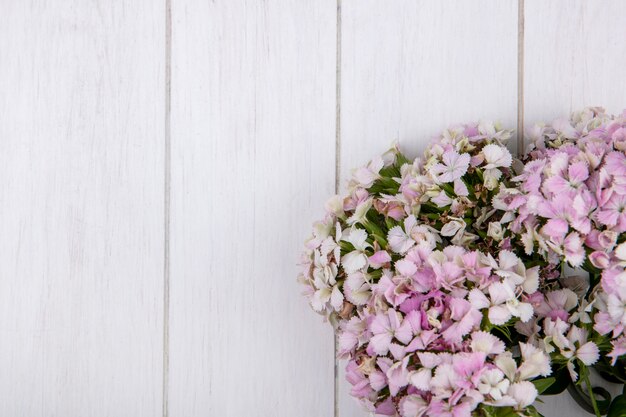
486	343
365	176
454	166
386	327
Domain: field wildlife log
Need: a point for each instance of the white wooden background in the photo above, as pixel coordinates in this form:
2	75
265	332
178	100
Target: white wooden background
161	161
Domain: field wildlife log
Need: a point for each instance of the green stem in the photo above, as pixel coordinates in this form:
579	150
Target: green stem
585	376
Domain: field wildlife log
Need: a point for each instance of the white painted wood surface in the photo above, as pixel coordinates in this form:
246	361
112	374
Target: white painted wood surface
411	68
575	56
124	225
253	160
81	208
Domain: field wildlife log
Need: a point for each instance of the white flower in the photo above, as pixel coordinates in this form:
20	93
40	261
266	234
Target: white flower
524	393
360	212
453	227
359	288
513	269
534	362
413	406
491	178
495	231
334	206
365	176
454	166
493	383
442	199
506	364
401	240
487	343
325	284
356	259
321	230
578	347
497	156
502	303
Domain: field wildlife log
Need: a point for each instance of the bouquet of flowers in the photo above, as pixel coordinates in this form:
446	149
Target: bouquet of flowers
443	275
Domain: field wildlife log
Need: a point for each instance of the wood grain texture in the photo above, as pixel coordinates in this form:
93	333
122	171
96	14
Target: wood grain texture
411	68
574	56
81	198
253	138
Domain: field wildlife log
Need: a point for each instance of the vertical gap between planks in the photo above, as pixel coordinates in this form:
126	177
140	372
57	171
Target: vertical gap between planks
337	176
167	176
520	77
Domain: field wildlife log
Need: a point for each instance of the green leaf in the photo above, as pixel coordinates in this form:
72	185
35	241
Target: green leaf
543	384
505	412
617	407
532	411
401	159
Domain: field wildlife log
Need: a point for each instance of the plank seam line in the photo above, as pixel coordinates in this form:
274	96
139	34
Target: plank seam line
520	77
337	179
167	173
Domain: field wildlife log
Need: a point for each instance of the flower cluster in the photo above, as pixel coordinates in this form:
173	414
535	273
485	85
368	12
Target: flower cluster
570	206
430	336
444	275
414	268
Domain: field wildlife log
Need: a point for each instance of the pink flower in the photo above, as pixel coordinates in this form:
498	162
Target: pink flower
379	259
465	319
615	162
413	406
447	274
351	336
386	408
613	213
599	259
555	229
398	376
358	197
574	251
619	349
577	174
360	384
390	208
395	289
454	166
440	408
468	366
558	304
386	327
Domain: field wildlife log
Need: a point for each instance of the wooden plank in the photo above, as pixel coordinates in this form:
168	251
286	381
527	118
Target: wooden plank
253	139
81	198
575	56
411	68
